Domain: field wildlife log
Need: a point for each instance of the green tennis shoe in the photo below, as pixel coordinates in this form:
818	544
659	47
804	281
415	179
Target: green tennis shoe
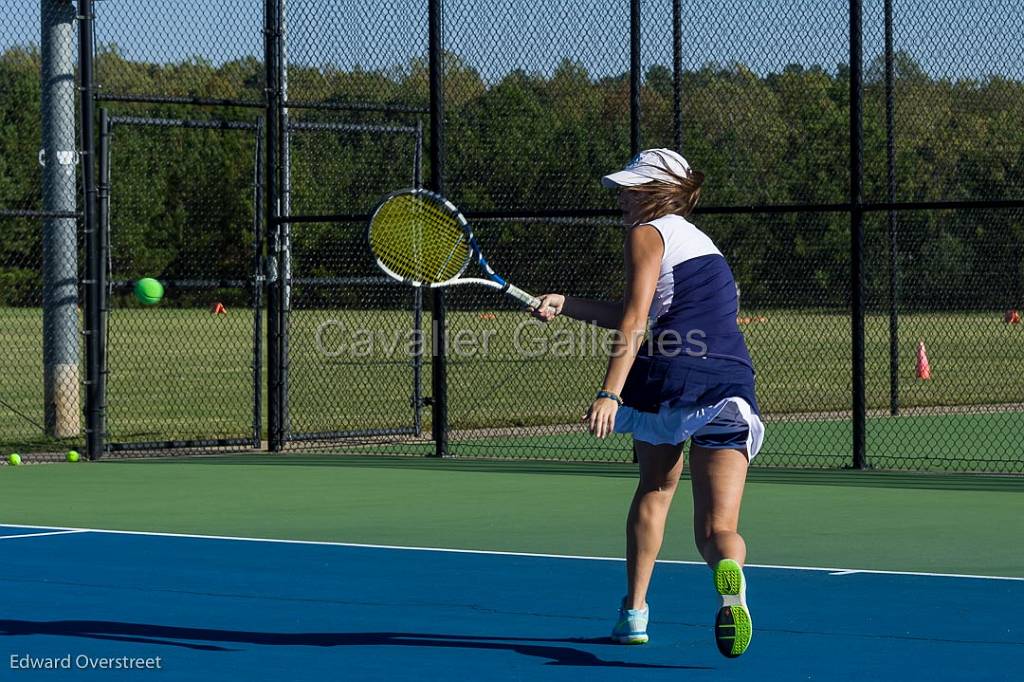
733	626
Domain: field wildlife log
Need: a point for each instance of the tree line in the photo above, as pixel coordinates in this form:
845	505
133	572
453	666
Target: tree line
182	202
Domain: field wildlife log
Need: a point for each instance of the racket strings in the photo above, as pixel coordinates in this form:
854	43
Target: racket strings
418	240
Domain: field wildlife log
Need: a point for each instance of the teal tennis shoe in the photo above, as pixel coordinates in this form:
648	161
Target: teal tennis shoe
631	627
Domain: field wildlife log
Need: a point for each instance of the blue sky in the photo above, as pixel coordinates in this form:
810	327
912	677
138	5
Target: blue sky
950	38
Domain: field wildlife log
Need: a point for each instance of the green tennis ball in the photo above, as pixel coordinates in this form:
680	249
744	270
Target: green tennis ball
73	456
14	459
149	291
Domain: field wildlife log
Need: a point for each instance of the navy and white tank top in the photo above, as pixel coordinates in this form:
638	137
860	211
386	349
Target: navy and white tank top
695	303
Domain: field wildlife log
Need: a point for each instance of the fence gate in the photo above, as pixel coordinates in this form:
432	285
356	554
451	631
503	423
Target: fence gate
353	342
179	201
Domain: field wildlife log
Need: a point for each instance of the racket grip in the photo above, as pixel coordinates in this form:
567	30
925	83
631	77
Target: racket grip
523	297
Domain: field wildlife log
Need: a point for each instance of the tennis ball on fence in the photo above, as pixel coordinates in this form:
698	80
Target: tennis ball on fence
149	291
73	456
14	459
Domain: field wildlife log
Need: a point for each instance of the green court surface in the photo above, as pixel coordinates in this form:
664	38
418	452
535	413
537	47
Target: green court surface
844	519
920	442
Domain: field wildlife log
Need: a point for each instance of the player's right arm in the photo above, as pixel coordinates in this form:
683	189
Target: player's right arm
605	314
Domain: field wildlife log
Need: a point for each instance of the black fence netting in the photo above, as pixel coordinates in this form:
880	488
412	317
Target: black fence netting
532	113
357	57
763	98
244	143
181	207
943	346
522	385
40	328
958	98
180	51
356	339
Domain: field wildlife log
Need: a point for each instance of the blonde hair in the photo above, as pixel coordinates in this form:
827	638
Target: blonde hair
662	197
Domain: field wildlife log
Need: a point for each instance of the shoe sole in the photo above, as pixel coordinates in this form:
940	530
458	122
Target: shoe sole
631	639
733	627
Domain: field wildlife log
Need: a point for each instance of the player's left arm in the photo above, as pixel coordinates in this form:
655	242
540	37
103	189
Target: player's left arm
644	250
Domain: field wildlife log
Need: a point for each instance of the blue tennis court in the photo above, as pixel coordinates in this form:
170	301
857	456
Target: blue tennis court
224	608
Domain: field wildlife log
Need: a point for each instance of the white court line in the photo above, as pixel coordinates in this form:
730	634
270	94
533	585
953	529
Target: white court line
68	531
448	550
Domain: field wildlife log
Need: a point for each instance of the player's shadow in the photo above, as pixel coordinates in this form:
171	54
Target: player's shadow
555	651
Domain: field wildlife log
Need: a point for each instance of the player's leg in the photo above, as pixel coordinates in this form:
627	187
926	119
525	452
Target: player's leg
718	476
660	468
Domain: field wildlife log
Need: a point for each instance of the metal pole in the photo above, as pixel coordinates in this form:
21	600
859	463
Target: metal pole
634	76
857	233
103	235
257	290
677	74
894	292
439	366
285	260
95	264
59	157
274	413
417	305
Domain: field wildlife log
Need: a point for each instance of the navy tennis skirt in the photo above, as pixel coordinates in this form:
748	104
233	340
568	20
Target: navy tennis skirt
675	381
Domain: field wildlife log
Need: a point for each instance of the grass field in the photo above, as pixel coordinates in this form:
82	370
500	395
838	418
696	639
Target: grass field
183	373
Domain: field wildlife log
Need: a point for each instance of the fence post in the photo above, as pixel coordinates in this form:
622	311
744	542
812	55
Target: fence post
677	75
857	232
257	288
417	304
102	283
275	431
634	76
95	392
439	390
285	200
890	148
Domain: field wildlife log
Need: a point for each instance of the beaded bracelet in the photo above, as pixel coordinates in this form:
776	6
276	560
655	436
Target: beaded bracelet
611	396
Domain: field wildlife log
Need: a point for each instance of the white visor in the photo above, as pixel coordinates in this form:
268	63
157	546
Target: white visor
648	166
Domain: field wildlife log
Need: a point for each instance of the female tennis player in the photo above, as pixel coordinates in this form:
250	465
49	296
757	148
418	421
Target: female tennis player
689	378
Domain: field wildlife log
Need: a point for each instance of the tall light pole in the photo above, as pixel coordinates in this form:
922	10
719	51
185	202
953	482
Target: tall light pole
59	156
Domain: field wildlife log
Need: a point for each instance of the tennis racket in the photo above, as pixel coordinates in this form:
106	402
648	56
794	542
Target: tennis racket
420	238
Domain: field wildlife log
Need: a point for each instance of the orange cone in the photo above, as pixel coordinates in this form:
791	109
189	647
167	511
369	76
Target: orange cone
218	309
924	370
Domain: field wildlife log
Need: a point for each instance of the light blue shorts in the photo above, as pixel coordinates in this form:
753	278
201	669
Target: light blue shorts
729	423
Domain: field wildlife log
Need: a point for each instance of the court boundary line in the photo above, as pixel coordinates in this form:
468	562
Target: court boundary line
66	530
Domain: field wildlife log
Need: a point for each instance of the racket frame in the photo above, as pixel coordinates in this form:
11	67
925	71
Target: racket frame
493	281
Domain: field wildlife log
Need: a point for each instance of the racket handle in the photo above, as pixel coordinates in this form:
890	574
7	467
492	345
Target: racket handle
523	297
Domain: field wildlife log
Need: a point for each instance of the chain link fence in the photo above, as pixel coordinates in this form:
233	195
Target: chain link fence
246	151
193	224
181	53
